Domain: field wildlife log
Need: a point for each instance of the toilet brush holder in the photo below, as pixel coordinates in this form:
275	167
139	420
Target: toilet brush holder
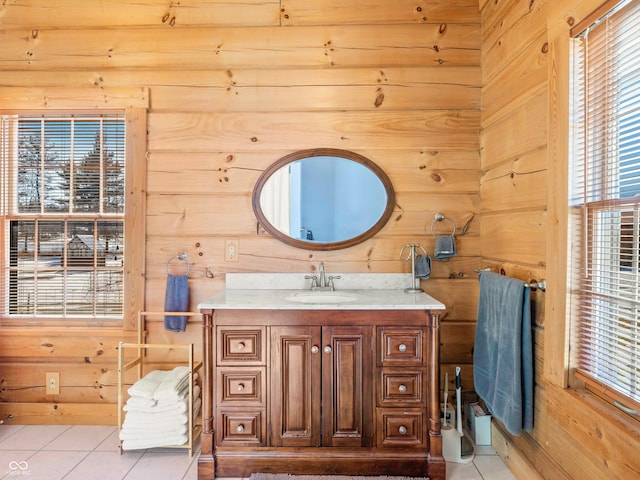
452	445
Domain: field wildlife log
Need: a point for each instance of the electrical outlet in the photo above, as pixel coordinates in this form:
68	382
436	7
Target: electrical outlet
231	251
52	383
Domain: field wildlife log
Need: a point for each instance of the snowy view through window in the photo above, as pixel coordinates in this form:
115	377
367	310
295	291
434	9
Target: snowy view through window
65	227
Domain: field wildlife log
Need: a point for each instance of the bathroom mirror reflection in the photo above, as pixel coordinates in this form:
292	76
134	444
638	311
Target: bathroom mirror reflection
323	199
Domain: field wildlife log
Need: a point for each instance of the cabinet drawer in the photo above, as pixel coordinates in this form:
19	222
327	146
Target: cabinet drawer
401	427
244	427
238	345
398	388
240	386
401	346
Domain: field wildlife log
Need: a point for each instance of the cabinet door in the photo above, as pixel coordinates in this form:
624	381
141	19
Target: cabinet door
295	386
347	394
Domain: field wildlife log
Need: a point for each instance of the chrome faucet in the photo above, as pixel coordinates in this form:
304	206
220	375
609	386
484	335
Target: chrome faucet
322	282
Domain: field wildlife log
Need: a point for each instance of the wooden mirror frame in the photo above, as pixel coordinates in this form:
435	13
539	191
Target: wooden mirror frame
321	152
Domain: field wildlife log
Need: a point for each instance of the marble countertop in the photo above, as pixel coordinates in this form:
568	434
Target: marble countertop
290	292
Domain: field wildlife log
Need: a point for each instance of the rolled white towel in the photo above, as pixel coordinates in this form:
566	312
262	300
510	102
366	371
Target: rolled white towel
160	441
155	418
174	407
147	385
161	412
183	397
139	403
147	430
173	384
164	406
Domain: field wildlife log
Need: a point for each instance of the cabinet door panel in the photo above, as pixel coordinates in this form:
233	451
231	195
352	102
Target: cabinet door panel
347	388
295	386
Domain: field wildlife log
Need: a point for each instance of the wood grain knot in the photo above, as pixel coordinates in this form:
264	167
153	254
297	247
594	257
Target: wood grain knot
379	100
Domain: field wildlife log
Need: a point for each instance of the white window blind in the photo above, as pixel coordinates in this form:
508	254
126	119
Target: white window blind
63	209
605	204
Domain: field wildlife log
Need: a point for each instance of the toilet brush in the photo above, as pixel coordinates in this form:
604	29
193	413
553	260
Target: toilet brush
452	438
466	448
446	397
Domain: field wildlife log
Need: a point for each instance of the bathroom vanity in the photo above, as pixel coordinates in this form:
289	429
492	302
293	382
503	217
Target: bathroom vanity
320	382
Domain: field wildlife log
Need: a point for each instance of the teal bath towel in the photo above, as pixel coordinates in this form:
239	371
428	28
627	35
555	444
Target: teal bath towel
423	266
503	351
176	299
445	247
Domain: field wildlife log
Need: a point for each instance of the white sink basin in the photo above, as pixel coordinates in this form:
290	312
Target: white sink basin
321	297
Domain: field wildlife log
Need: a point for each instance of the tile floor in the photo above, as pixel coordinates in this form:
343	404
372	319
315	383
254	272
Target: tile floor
52	452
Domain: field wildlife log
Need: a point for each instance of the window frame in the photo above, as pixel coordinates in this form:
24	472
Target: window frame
133	102
587	215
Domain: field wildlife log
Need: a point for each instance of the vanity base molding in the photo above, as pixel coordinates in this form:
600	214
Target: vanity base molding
330	392
328	461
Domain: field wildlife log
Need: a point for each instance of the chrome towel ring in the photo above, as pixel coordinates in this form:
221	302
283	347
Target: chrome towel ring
438	217
182	257
411	254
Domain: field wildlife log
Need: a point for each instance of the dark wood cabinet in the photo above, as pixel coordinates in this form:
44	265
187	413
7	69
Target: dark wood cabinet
295	386
347	394
321	392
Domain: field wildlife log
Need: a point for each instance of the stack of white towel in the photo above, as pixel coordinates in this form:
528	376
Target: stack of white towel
158	410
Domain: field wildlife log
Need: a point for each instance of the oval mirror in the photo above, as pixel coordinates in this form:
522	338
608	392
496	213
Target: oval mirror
323	199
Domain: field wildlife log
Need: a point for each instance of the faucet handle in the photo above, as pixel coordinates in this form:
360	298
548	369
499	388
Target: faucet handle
330	282
314	280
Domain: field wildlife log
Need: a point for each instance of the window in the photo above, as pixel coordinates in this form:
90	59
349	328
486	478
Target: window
604	205
63	184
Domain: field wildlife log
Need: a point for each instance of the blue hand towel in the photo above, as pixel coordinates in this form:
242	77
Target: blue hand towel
423	266
176	299
503	351
445	247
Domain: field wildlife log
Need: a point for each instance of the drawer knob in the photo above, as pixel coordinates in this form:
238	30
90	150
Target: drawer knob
315	349
241	345
327	349
402	347
240	428
402	388
402	430
240	387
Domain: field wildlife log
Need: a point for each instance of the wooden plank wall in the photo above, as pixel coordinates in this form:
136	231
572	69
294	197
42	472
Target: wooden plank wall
233	87
525	75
